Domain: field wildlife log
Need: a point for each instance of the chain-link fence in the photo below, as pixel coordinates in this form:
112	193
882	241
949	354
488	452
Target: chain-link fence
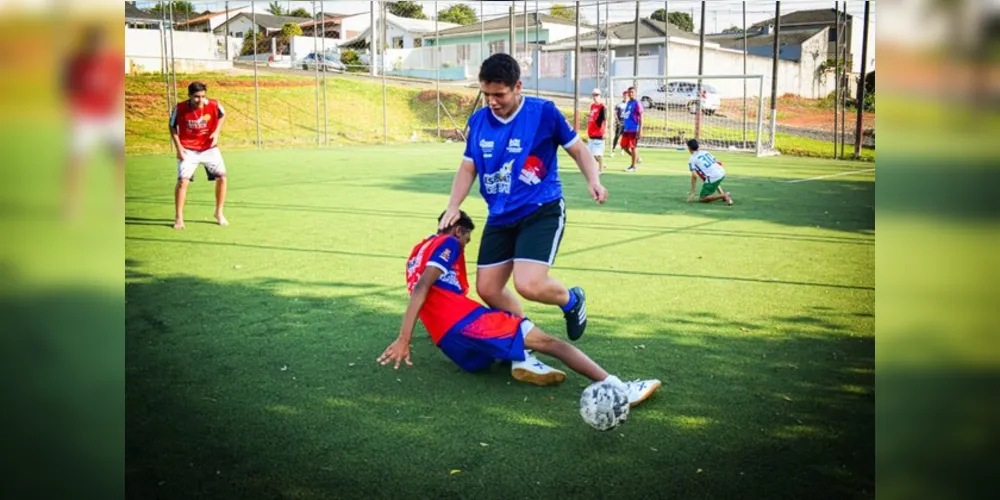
316	77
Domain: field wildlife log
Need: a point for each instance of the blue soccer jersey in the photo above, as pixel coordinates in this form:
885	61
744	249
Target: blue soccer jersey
633	116
516	158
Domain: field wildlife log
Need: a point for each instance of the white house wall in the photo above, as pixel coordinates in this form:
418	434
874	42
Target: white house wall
193	51
240	25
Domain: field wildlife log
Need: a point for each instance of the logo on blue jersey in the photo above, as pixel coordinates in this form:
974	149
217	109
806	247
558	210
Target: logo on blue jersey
487	147
514	146
499	181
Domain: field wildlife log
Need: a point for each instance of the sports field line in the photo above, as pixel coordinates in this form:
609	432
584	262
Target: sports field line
839	174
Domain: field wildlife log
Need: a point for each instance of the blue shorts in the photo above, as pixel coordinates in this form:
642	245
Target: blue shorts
488	335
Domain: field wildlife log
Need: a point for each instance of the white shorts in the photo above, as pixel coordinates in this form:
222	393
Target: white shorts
210	158
88	132
596	147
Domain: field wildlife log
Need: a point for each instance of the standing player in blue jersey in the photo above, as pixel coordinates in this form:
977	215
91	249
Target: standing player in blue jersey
512	149
632	129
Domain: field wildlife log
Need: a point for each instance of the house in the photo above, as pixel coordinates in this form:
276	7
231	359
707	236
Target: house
242	23
209	21
402	32
542	29
138	18
329	25
621	38
762	43
809	21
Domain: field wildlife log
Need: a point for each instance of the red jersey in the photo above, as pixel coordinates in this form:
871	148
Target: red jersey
595	121
447	302
95	84
195	125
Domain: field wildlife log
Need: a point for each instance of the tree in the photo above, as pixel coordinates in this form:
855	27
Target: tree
275	8
733	29
289	30
300	12
247	48
563	11
411	10
680	19
458	14
179	7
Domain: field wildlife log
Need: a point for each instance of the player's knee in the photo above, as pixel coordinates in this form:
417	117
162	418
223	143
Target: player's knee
490	293
529	287
182	183
541	342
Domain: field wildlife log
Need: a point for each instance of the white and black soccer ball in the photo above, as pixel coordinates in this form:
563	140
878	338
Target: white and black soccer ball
604	405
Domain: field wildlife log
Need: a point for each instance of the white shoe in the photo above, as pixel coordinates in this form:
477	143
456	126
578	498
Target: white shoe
639	390
533	371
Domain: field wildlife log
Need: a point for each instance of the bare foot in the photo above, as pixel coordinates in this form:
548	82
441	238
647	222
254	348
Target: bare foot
222	219
178	224
729	200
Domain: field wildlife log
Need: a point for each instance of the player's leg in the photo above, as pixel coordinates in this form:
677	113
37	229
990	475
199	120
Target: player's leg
727	196
599	154
497	335
572	357
535	252
82	135
185	173
708	192
494	267
216	168
637	390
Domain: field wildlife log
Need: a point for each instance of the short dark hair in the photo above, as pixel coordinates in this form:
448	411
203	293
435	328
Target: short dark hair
630	88
464	222
693	144
196	87
500	68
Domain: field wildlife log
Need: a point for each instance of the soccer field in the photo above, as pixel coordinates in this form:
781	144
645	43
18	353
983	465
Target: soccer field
250	349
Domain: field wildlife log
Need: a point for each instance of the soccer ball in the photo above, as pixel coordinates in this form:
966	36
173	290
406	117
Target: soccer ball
604	405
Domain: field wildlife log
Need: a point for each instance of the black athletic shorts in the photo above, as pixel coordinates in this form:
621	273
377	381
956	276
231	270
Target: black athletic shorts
534	238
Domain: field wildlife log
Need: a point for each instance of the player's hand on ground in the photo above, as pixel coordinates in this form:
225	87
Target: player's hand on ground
598	192
450	217
690	197
397	352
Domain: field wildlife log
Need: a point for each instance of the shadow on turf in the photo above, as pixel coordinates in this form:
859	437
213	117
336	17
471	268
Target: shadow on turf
244	390
828	204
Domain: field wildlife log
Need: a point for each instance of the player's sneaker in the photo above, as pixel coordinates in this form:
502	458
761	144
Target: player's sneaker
639	390
576	318
533	371
631	169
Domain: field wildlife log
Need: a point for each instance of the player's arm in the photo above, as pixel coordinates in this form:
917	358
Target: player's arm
399	350
175	135
218	126
601	117
638	119
460	187
694	185
570	141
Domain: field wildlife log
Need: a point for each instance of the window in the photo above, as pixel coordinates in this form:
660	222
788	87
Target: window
463	53
238	34
498	47
397	42
418	42
833	35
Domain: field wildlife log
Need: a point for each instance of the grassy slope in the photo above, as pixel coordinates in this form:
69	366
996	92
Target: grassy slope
354	113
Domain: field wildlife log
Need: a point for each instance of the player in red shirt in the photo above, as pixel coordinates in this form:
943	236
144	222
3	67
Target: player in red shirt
94	88
194	128
595	128
473	336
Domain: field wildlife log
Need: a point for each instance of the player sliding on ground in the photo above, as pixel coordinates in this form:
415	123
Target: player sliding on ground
703	165
473	336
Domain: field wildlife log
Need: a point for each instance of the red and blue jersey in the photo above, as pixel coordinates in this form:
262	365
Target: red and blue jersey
447	303
515	158
633	115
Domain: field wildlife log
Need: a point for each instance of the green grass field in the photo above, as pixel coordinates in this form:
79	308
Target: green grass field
250	350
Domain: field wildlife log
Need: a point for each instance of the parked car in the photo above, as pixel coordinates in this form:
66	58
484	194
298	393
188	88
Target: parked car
325	62
683	95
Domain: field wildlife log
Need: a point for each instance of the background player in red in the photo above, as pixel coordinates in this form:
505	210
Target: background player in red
94	86
595	128
194	128
473	336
